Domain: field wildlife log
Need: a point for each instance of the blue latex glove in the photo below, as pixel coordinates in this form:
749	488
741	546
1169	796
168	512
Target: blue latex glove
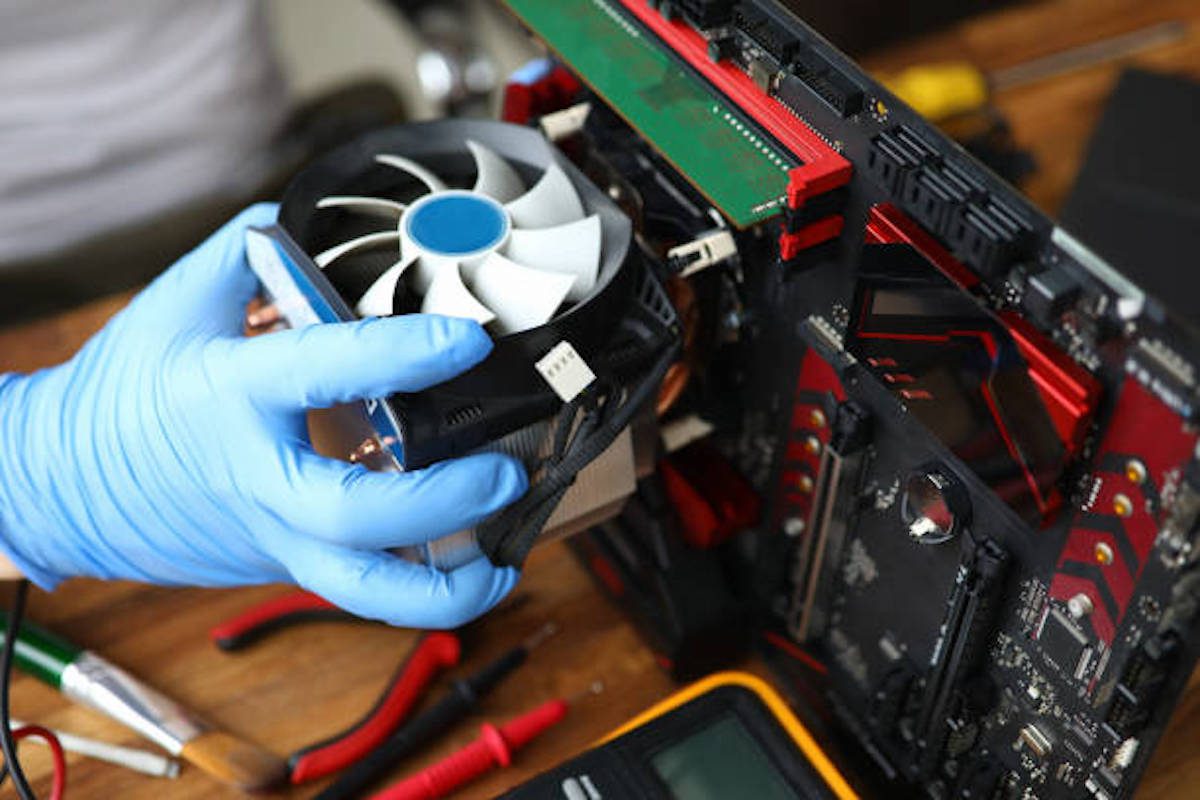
532	71
173	450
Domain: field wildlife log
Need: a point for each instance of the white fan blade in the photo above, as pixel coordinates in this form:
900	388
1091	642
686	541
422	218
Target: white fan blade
377	300
573	248
427	269
419	172
522	297
551	201
449	297
370	241
469	267
377	206
495	177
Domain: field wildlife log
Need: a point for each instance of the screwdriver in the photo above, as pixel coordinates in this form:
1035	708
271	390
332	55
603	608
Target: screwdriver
494	748
460	699
941	91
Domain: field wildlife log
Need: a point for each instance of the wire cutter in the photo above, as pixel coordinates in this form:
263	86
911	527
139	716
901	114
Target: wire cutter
433	653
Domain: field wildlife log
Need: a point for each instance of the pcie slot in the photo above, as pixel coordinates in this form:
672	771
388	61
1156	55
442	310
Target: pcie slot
812	553
961	643
820	554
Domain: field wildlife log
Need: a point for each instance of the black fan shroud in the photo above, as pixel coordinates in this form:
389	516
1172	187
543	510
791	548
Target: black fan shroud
505	391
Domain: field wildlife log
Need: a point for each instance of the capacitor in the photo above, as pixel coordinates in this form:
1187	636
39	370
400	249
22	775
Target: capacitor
1080	605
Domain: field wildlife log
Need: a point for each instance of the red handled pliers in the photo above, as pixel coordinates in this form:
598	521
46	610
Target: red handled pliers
433	653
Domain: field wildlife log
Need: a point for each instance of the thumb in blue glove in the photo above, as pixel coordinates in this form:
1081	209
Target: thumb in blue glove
173	450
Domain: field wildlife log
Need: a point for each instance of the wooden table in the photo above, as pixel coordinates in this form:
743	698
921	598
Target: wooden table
310	681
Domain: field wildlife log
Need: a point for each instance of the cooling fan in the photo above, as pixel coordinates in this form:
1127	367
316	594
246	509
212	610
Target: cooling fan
488	221
503	254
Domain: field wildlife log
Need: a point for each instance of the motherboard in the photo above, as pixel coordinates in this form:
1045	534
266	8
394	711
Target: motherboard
974	441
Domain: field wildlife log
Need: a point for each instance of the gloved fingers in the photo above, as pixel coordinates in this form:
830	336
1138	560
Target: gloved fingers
211	285
349	505
532	71
323	365
380	585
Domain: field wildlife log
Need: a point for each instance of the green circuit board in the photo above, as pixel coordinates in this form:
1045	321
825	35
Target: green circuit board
690	124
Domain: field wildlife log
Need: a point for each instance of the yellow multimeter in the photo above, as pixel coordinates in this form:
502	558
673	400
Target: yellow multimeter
727	736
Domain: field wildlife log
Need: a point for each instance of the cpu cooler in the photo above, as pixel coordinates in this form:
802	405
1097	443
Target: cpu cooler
488	221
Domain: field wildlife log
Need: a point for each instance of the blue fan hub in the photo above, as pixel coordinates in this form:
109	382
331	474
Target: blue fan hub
456	223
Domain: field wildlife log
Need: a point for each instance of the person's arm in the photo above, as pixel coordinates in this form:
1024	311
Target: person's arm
172	449
8	570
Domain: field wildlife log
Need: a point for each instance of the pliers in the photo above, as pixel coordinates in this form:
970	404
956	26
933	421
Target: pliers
433	653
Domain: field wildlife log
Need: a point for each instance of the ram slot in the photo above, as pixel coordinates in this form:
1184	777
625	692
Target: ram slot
961	645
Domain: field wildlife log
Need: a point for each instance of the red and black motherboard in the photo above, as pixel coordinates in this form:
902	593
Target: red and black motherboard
974	441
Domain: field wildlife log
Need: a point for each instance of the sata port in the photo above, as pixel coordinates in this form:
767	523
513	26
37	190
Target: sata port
984	243
888	161
987	235
930	199
912	141
1014	224
970	186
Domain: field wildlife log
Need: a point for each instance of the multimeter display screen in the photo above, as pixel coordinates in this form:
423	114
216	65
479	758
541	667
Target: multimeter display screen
721	761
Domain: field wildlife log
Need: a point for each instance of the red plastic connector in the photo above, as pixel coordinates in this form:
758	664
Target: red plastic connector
819	232
803	185
526	101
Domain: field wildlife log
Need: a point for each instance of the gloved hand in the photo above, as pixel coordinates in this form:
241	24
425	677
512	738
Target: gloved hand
173	450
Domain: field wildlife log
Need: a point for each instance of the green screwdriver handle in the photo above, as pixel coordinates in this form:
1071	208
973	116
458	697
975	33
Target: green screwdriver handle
40	653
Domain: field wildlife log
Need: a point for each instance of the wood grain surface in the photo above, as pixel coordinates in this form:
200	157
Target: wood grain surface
307	682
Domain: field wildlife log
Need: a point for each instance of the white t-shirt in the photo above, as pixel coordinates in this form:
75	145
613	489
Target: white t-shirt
112	112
